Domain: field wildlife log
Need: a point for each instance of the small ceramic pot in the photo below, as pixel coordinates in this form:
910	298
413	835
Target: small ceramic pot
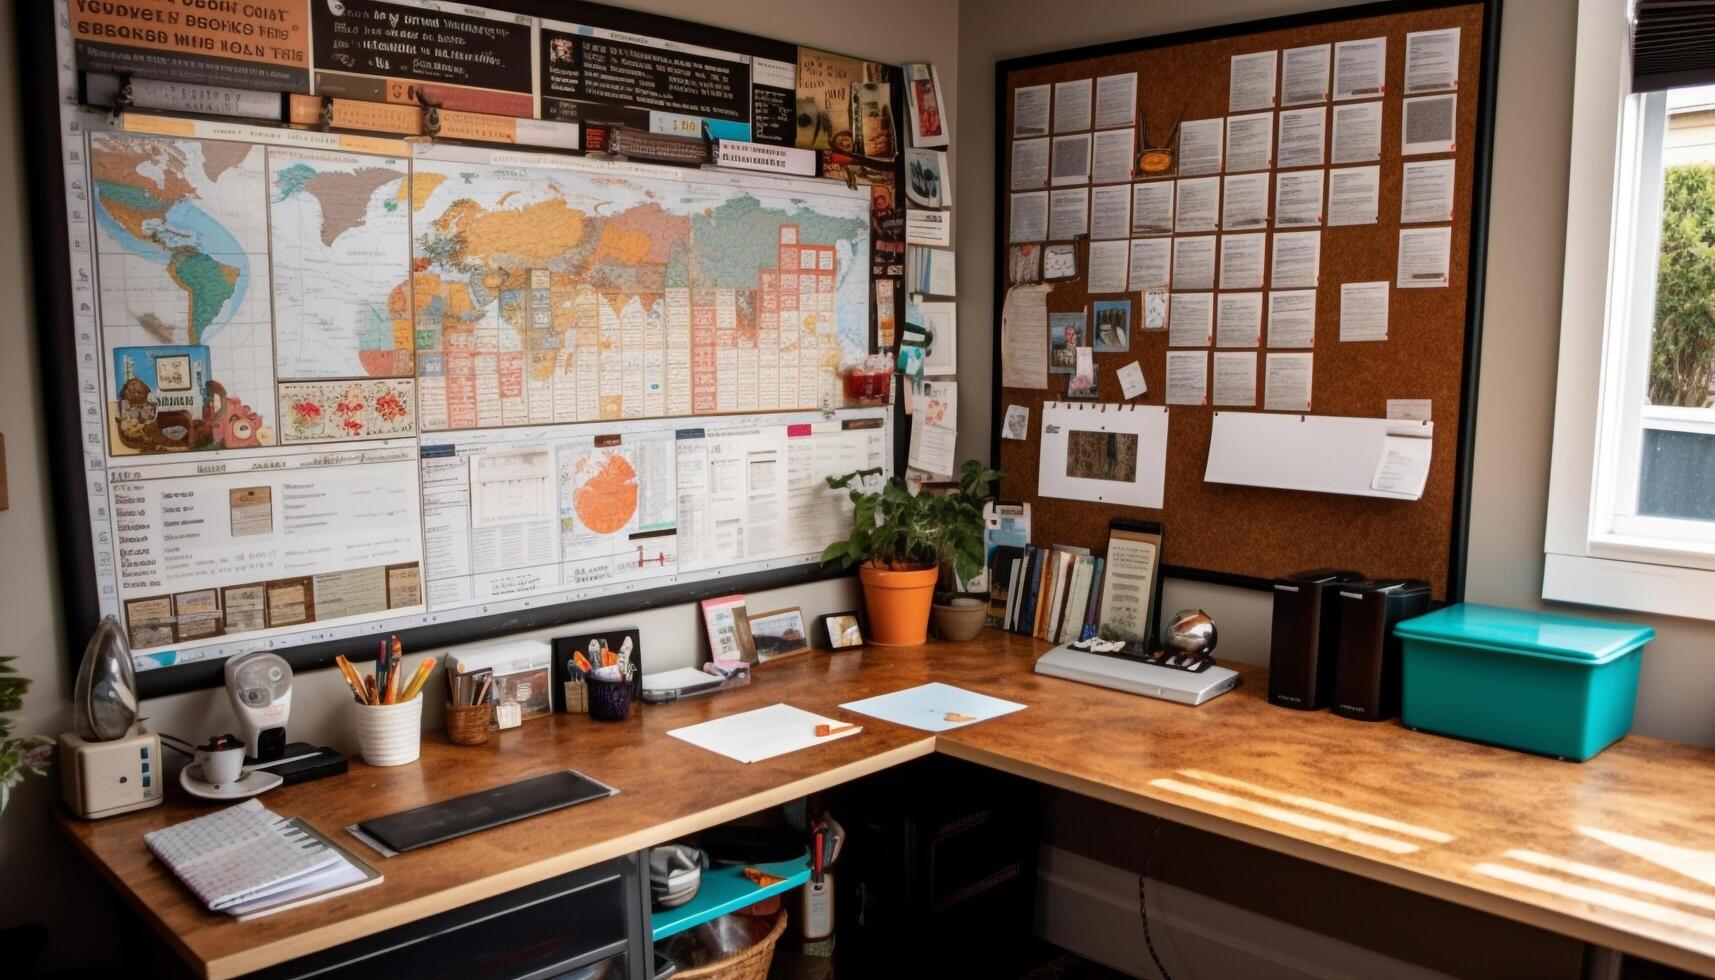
960	618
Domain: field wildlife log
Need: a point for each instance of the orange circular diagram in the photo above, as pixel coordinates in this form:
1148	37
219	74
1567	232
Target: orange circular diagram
606	500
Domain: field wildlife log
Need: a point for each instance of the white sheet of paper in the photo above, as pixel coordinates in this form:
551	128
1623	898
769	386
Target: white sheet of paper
941	320
1131	380
1242	261
762	733
1429	125
1113	156
1235	379
1288	383
1028	217
1152	208
933	446
1357	133
1191	319
1304	75
1060	261
1198	204
1151	263
1298	198
1071	160
1250	142
1110	211
1154	302
1424	255
923	227
1431	61
1250	83
1187	377
1297	260
1292	318
1116	100
1404	466
1354	195
1426	191
1363	311
1017	424
1030	111
1108	266
1410	409
1068	213
1072	105
1141	486
1244	202
1194	262
1360	69
1200	146
1314	453
1238	320
1303	137
1029	164
1024	337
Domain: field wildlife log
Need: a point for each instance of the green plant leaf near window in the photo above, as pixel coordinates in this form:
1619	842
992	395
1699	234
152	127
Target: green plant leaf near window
1682	357
897	529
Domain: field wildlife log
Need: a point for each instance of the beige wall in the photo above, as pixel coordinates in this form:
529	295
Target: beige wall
30	852
1527	231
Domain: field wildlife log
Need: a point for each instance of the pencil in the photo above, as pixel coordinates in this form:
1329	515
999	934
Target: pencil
418	679
369	686
352	678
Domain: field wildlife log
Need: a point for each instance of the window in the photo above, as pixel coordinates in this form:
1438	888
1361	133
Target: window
1632	496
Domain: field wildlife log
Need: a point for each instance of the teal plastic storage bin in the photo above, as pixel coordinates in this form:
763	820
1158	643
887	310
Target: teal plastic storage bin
1555	685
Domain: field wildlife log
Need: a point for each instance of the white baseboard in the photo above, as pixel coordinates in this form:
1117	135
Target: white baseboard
1090	908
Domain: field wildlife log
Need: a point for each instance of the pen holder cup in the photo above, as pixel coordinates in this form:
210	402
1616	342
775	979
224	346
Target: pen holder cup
467	724
609	700
390	734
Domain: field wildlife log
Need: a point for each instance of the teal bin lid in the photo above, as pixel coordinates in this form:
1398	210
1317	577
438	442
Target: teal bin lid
1536	634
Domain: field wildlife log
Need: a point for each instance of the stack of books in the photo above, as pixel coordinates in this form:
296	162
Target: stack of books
1053	594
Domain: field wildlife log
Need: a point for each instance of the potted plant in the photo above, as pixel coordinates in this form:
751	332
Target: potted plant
900	540
20	755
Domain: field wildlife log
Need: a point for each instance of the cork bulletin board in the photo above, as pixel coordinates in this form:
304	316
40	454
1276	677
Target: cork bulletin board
1249	535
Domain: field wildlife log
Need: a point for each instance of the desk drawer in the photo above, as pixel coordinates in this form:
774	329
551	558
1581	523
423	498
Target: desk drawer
543	930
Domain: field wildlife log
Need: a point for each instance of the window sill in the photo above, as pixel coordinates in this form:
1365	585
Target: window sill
1639	586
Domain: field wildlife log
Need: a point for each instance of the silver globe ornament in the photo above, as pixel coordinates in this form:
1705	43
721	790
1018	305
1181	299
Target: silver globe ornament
1191	633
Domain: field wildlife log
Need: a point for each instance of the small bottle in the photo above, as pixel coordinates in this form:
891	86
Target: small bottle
816	912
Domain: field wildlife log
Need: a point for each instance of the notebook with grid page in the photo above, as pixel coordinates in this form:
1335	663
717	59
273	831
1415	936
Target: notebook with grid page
240	854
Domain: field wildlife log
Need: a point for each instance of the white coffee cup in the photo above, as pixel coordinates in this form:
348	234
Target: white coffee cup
221	766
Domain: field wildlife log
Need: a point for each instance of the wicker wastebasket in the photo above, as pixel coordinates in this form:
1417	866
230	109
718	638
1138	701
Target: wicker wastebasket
747	964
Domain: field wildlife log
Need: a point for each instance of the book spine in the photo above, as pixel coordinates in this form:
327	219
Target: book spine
1045	595
1056	597
1092	617
1077	602
1032	594
997	588
1013	587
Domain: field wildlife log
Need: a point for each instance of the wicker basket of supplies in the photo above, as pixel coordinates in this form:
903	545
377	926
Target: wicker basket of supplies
467	724
750	963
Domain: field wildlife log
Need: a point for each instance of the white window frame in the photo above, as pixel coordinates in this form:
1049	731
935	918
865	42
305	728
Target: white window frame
1596	552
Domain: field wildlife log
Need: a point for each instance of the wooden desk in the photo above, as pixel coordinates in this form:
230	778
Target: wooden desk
1483	827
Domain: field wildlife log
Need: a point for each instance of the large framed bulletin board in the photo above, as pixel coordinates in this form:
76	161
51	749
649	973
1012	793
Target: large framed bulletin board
427	318
1282	223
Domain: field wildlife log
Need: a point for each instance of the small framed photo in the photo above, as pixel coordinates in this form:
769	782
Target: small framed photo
729	629
842	630
780	633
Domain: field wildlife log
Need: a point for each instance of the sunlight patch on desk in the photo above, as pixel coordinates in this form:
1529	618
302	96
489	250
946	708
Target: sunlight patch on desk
1620	879
1624	904
1282	815
1690	862
1326	809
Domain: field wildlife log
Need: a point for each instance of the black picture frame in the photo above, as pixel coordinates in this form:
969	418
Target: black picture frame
1481	192
74	541
822	636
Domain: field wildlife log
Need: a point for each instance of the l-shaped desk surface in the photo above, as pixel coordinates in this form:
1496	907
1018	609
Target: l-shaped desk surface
1618	851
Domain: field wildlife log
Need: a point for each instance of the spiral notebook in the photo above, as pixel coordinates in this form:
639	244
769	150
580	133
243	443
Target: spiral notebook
246	860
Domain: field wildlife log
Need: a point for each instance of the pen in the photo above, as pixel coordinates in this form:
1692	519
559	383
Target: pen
381	672
393	673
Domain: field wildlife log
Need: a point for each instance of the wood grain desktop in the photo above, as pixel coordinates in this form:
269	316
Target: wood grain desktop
1530	839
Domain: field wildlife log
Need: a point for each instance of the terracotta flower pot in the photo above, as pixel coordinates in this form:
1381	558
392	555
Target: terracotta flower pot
898	604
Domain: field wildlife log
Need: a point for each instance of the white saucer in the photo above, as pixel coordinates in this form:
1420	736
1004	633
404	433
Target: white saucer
252	782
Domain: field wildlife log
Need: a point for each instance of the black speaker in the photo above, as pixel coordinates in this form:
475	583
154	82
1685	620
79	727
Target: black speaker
1366	680
1306	637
